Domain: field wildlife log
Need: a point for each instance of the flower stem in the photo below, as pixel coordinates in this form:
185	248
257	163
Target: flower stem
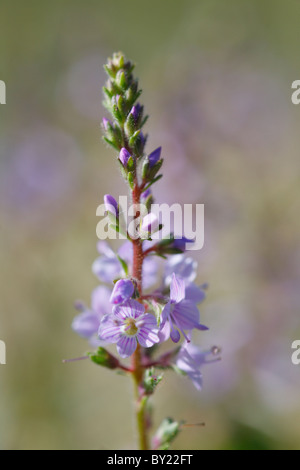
137	357
140	402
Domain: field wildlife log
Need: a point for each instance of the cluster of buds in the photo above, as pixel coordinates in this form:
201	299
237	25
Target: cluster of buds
121	93
124	131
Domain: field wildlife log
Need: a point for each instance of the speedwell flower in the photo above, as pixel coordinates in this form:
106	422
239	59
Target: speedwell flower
190	359
127	326
87	323
180	313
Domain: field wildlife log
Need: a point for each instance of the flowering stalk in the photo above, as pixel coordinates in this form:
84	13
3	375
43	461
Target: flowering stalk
135	320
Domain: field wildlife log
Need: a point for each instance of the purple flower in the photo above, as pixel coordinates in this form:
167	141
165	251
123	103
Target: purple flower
180	243
123	290
111	205
180	312
194	293
154	157
184	267
150	223
108	268
124	157
87	323
190	359
127	326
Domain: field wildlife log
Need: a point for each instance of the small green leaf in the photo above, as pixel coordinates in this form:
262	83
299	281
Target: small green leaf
152	182
111	73
130	164
107	93
109	142
151	381
124	265
145	169
103	358
130	179
166	434
134	138
144	121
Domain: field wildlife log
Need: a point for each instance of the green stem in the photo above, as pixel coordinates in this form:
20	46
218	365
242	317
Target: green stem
140	402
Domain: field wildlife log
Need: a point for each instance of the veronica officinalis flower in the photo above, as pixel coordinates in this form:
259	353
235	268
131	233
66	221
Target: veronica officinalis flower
127	326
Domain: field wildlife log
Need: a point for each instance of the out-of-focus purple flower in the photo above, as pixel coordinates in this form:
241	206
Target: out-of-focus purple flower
108	268
194	293
154	157
111	205
180	243
127	326
184	267
39	178
190	359
150	223
181	313
124	157
123	291
87	323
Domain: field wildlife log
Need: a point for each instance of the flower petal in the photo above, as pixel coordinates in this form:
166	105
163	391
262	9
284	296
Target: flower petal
109	331
184	267
175	335
104	249
107	269
177	292
165	314
131	308
100	300
86	324
148	331
126	346
186	315
164	332
194	293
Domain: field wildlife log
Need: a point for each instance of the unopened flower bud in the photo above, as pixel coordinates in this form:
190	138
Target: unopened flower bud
124	157
150	223
146	194
111	205
154	157
123	290
106	124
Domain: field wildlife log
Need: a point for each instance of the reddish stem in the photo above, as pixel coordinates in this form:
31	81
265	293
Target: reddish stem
137	368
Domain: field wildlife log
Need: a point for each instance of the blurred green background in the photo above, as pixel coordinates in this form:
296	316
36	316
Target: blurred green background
217	84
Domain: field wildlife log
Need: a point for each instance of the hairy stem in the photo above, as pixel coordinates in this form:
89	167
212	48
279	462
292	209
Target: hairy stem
137	358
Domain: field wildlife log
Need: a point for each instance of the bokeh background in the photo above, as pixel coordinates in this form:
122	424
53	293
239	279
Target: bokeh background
217	84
